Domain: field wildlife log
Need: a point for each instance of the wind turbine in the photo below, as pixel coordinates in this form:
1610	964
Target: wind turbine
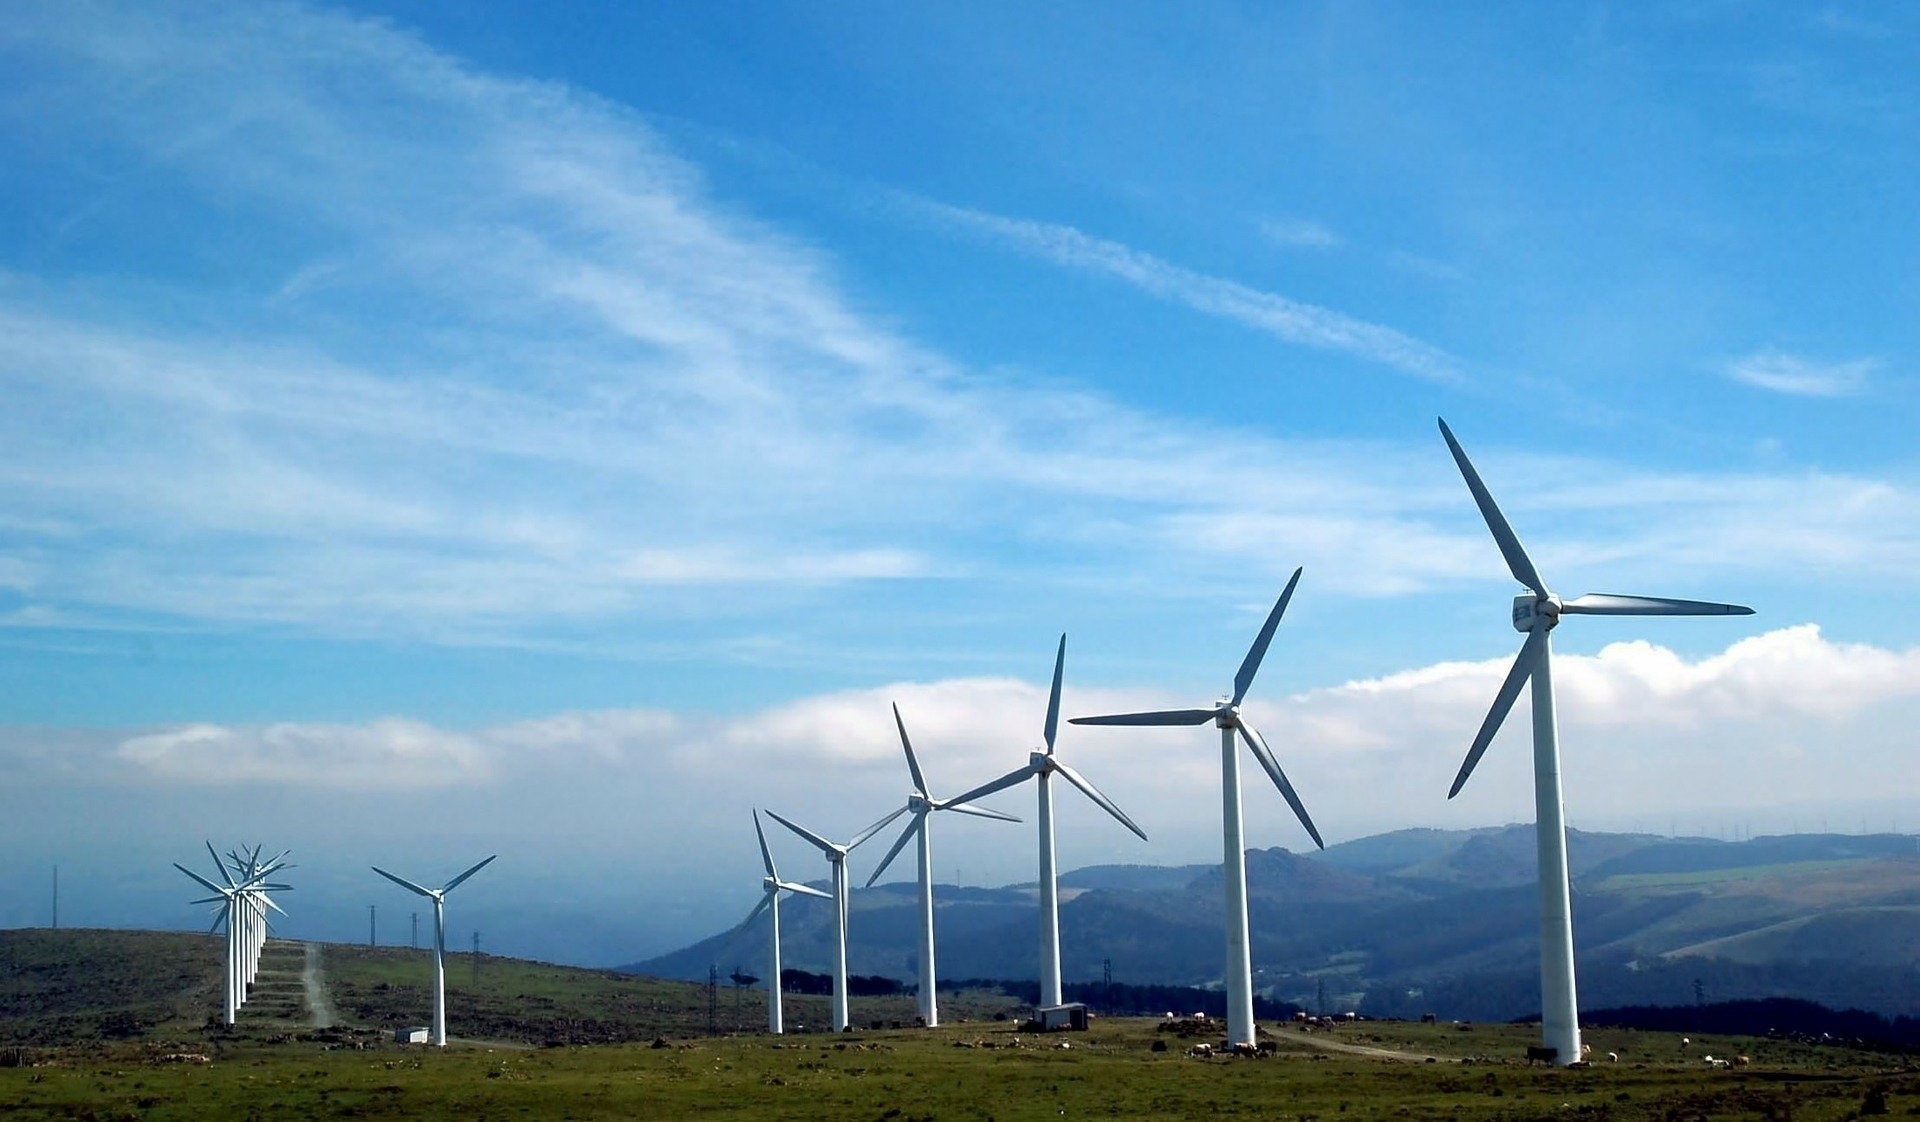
1226	714
242	910
837	858
1041	768
439	898
922	805
1535	614
770	903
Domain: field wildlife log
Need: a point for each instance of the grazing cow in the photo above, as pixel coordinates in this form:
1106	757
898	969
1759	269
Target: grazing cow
1545	1055
1742	1061
1200	1051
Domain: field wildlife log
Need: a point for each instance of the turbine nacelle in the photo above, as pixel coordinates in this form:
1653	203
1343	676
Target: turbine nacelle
1531	611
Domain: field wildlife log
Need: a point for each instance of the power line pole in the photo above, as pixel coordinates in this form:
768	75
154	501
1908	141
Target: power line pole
56	897
413	940
372	929
713	999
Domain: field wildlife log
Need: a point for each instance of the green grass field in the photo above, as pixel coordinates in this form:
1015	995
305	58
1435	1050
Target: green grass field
514	1063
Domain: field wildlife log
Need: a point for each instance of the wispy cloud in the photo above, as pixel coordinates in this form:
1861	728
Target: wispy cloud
1287	319
1802	377
515	370
1299	233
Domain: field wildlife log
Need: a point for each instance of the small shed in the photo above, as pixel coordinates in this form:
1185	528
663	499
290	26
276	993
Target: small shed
1056	1018
411	1035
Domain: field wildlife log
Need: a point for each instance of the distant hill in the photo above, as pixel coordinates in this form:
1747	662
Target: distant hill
1415	920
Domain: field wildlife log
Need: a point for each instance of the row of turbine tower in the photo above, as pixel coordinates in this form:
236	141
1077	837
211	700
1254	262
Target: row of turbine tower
243	900
1535	613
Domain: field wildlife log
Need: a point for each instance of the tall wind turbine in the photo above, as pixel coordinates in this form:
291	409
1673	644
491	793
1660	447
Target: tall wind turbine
243	905
1041	768
1226	715
1535	614
770	903
837	858
922	805
439	898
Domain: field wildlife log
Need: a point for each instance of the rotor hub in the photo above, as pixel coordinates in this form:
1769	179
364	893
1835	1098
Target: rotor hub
1533	612
919	802
1226	715
1040	761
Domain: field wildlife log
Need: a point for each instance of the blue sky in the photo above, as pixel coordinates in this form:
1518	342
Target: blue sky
431	396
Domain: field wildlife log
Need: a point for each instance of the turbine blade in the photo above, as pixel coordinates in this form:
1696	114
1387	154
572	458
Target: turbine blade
913	765
268	901
208	900
1608	604
1011	779
1517	561
977	811
1502	702
821	843
219	918
863	835
455	882
1160	717
806	890
766	901
220	865
1092	792
403	882
919	823
766	854
1053	696
1251	664
204	882
1265	755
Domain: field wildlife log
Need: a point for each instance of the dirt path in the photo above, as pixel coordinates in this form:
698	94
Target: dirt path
313	977
1322	1043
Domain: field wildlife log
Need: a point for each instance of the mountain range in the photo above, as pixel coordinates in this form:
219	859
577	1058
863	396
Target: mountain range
1415	921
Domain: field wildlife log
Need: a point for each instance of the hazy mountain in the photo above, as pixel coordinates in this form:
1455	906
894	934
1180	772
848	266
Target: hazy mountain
1407	921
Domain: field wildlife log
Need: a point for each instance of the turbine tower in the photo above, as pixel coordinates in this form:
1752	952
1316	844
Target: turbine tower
1226	715
837	858
439	898
1535	614
770	903
922	805
1041	768
243	907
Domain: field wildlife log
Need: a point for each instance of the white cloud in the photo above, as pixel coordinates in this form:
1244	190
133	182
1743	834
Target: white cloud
387	754
1802	377
1644	730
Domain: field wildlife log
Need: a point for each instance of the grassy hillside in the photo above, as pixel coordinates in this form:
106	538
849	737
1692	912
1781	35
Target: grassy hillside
1369	1070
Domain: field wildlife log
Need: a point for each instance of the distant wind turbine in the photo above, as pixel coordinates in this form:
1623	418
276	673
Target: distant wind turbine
836	855
773	886
1535	614
922	805
1041	768
243	907
1226	714
439	898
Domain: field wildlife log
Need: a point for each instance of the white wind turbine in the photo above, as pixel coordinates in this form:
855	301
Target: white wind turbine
922	805
1226	714
770	903
242	911
837	858
439	898
1535	613
1041	768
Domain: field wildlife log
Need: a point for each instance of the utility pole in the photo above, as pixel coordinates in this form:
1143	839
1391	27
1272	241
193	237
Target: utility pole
413	940
56	897
372	929
1106	981
713	999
